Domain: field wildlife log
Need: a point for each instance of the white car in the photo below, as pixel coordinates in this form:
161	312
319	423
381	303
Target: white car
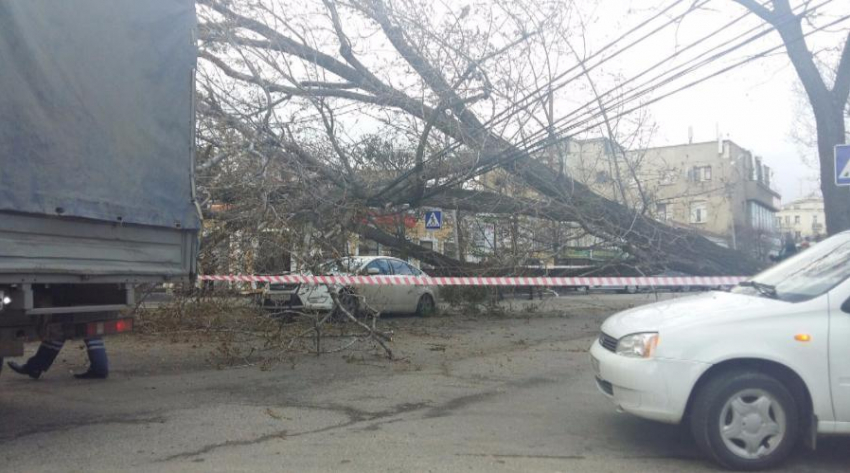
755	371
420	300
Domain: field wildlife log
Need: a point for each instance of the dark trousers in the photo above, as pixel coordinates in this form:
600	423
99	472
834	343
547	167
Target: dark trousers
49	350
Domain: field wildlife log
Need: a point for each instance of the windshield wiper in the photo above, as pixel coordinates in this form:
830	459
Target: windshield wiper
764	289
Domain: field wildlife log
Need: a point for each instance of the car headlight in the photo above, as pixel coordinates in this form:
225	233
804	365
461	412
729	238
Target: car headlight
638	345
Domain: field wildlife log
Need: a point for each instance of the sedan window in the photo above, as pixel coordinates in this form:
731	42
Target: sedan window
413	270
401	268
382	266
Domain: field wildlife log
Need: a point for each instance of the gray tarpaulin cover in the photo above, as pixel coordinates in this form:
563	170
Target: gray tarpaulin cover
96	109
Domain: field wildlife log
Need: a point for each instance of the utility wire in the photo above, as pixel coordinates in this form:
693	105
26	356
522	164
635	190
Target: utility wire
516	153
647	86
501	116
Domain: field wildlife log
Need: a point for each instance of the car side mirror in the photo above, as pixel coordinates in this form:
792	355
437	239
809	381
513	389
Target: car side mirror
373	271
845	307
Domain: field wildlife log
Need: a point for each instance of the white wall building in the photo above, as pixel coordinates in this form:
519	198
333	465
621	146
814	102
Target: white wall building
803	218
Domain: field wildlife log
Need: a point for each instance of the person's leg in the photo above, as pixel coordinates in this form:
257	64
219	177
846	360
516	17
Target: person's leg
98	362
41	361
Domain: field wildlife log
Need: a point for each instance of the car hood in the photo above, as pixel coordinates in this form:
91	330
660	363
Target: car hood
711	307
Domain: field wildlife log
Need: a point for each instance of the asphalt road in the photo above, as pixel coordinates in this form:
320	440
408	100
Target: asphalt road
471	393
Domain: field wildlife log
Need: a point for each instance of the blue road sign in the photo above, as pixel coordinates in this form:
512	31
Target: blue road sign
433	220
842	165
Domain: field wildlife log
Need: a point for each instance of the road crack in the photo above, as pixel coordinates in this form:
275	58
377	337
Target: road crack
355	416
66	426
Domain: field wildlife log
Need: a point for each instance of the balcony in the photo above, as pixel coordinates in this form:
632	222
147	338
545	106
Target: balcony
761	193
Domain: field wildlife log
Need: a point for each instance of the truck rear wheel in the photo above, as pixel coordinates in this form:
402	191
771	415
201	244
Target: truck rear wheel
745	420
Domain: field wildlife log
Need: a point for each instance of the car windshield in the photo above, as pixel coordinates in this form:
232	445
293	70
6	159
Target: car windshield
806	275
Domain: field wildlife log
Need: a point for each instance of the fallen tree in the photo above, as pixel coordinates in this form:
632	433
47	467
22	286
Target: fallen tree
258	47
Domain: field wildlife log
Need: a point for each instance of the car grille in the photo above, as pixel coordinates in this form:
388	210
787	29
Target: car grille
608	342
605	386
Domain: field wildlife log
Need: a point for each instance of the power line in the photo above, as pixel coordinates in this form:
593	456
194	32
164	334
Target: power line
647	85
655	66
517	153
540	144
500	117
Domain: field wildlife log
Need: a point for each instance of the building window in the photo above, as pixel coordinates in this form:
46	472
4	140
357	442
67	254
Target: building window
787	220
661	212
761	217
778	221
700	173
484	237
602	177
427	244
798	235
699	212
796	219
814	219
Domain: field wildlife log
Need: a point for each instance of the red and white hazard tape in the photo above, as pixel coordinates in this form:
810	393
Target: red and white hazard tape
476	281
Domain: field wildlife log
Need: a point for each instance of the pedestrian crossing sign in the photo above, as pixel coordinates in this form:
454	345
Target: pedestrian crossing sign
433	220
842	165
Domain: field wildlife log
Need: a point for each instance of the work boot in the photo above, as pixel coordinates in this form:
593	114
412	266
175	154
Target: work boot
24	369
40	362
98	362
91	375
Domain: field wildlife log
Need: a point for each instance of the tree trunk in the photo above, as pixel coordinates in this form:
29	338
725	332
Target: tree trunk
831	132
827	103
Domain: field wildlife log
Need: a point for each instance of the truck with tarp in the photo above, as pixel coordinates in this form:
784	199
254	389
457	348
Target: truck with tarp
96	162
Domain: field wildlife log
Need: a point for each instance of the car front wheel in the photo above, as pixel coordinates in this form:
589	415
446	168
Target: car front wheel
425	306
745	420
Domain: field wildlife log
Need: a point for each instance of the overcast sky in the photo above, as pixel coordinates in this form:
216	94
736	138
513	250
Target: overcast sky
754	105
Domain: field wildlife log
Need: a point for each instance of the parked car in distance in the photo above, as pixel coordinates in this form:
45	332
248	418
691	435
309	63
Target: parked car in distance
633	289
420	300
685	288
753	371
629	289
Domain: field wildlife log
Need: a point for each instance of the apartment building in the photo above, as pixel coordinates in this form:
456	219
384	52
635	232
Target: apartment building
803	218
717	188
